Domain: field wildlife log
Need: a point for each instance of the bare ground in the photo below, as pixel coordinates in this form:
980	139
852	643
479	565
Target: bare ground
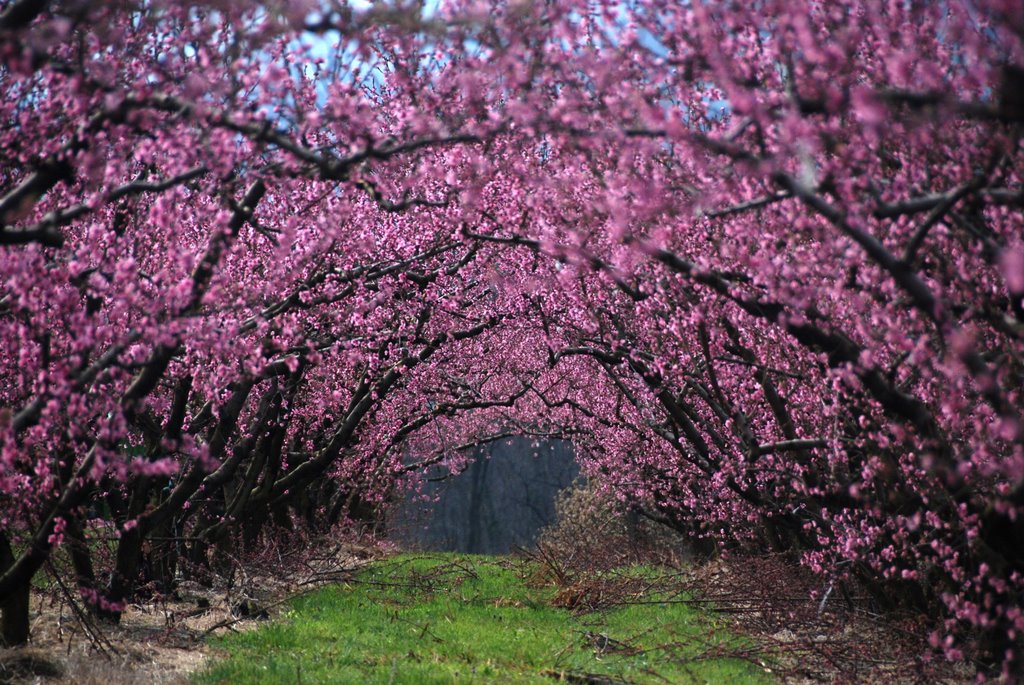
820	634
161	642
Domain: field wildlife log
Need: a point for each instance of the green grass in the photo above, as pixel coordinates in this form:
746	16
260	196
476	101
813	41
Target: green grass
462	619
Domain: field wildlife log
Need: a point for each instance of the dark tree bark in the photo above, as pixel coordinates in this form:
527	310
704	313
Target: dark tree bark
14	623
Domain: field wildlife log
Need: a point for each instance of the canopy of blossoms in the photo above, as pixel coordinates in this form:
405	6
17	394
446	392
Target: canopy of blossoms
762	262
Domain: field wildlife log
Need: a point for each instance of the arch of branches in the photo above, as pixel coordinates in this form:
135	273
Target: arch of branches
761	262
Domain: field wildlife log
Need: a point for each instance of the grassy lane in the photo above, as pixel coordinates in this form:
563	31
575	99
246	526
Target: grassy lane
462	619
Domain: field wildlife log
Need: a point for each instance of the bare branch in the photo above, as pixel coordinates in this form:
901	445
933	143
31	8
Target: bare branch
791	445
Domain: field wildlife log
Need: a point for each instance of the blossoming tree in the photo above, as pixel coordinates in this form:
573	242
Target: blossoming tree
762	262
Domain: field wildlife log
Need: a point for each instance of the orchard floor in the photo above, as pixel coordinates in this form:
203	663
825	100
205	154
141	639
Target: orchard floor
154	643
349	617
442	619
164	642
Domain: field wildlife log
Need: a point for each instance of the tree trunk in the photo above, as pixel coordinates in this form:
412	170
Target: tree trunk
14	621
122	579
476	539
81	559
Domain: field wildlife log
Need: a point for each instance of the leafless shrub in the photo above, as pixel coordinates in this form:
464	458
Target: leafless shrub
594	532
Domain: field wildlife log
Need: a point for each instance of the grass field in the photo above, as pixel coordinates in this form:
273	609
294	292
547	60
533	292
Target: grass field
469	619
